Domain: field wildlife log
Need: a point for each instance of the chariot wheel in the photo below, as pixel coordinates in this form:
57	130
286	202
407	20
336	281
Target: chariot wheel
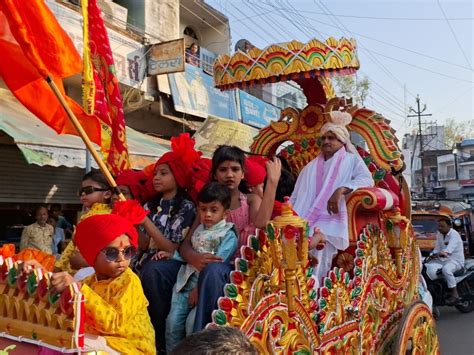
416	333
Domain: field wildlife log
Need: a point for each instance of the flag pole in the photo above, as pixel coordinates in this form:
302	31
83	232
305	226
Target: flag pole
85	137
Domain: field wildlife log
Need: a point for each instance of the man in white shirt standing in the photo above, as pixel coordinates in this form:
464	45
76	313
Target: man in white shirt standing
450	249
322	186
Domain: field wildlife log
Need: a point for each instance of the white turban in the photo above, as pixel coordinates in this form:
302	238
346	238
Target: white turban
337	125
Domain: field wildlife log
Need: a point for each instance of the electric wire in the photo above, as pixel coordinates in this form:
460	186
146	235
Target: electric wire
275	28
456	99
454	35
201	19
309	25
377	17
422	68
395	46
370	56
270	35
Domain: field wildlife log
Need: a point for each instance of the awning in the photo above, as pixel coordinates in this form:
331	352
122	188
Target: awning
467	190
41	145
216	131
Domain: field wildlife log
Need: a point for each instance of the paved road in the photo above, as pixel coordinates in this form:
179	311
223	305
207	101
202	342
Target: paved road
456	332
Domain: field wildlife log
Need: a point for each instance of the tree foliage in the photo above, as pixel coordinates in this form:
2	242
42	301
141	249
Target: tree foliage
455	131
350	86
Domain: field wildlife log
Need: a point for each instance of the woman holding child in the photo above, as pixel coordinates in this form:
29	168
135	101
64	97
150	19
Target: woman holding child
214	235
246	212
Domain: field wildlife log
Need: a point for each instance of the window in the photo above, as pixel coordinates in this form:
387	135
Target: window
188	31
425	226
450	173
471	173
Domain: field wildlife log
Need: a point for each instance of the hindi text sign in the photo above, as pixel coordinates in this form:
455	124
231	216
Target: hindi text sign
166	57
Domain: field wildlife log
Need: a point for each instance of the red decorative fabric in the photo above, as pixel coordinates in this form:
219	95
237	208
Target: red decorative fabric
46	260
278	209
7	250
200	176
106	101
138	183
181	158
96	232
255	171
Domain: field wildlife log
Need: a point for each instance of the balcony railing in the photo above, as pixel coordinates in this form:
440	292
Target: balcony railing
446	176
207	60
204	60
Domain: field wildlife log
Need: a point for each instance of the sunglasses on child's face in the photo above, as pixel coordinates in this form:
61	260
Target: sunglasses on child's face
112	254
87	190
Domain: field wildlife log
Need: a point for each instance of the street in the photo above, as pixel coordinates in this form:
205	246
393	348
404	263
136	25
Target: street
455	332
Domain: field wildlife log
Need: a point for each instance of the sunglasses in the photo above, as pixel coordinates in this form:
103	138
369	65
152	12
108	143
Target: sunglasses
87	190
112	254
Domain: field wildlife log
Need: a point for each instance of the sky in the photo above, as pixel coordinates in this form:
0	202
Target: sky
406	48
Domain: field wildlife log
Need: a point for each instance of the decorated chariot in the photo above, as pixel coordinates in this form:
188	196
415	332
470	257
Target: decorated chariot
368	303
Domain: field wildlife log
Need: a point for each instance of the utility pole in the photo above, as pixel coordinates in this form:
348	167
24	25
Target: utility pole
418	113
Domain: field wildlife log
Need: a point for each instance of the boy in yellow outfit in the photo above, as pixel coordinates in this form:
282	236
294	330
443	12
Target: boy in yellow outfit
95	195
116	316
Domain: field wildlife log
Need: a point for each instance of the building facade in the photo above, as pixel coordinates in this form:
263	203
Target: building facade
433	146
456	171
40	167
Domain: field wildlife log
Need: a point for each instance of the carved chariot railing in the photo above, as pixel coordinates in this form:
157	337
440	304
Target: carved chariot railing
31	313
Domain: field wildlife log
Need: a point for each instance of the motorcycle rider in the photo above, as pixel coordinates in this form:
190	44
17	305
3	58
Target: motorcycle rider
450	249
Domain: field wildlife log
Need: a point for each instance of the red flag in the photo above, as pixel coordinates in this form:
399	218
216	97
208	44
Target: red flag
33	45
101	88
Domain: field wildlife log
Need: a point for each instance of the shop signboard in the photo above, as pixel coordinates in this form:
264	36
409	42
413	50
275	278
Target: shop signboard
256	112
166	57
194	93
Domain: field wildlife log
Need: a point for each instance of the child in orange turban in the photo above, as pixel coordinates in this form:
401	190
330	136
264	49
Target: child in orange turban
115	307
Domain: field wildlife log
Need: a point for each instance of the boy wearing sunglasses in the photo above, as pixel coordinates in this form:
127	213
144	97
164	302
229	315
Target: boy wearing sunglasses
95	194
117	319
214	235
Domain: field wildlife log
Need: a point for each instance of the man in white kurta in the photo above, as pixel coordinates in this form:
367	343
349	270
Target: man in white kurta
450	250
321	188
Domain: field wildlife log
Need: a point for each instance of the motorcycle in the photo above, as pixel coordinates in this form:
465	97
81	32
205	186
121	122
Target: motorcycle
438	287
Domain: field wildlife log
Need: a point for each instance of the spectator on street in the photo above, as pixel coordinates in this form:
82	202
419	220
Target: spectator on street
56	211
58	236
38	235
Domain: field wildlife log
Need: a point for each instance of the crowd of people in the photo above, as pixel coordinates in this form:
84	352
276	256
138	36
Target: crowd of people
154	266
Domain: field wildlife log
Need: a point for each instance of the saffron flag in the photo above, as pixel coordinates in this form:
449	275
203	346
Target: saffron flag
33	45
101	92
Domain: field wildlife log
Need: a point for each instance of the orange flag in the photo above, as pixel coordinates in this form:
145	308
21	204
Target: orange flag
33	45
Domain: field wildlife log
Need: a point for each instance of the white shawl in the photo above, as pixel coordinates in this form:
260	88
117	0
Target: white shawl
351	173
